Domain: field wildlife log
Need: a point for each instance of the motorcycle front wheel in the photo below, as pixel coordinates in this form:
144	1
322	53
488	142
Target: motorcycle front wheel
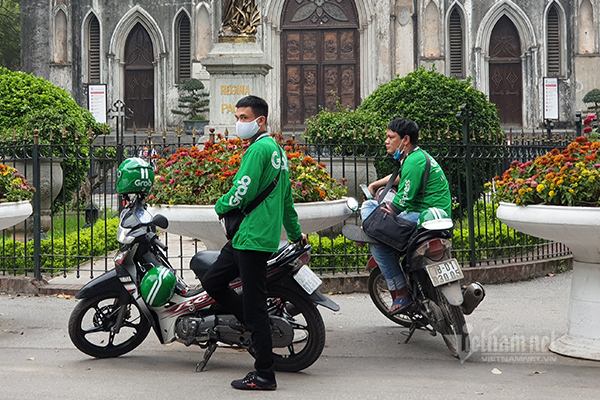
454	330
92	323
307	323
382	298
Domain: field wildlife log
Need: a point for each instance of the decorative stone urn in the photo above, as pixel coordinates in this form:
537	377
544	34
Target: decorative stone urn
51	182
202	222
14	212
579	229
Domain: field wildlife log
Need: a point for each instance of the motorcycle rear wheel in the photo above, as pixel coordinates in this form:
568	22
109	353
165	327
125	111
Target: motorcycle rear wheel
382	298
309	330
92	320
454	330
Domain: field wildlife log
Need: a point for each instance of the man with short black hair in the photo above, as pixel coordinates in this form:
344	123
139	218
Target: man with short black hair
258	237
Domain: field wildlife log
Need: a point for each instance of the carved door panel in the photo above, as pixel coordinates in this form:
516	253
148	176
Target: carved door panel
506	92
506	76
139	97
139	78
319	67
320	55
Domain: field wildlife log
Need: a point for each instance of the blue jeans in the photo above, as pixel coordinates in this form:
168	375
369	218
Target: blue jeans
387	258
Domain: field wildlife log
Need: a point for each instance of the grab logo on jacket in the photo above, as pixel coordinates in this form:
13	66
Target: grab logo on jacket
276	161
236	199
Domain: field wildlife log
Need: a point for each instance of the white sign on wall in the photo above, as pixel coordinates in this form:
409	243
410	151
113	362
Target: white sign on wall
97	102
551	98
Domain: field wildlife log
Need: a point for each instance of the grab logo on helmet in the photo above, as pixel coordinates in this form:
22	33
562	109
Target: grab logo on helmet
236	199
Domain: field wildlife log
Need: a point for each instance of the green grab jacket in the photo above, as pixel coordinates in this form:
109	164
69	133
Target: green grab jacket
410	197
261	229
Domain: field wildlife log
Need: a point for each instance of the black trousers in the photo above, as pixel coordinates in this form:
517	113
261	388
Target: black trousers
251	308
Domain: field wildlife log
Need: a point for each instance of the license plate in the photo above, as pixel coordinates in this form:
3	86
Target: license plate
444	272
307	279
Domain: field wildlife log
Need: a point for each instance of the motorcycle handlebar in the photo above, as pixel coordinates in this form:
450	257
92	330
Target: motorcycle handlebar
153	239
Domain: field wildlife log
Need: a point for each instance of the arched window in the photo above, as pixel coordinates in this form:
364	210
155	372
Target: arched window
456	44
93	50
183	46
553	42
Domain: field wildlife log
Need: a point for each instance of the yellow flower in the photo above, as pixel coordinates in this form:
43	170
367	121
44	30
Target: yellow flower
571	191
521	192
529	189
518	200
540	188
560	182
551	193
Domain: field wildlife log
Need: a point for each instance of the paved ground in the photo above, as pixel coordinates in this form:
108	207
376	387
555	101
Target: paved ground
364	357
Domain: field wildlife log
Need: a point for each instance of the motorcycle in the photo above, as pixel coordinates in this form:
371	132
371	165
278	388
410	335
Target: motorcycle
113	316
433	279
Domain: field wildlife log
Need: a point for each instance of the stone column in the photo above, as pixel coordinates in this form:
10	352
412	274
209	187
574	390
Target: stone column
236	70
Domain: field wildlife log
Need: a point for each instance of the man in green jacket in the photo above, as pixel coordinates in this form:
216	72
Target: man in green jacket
258	237
402	138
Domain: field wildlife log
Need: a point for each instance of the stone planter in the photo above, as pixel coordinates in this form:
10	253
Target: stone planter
201	222
14	212
579	229
51	182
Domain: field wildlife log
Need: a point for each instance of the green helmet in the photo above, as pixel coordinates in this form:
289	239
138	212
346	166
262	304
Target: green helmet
135	175
435	219
158	286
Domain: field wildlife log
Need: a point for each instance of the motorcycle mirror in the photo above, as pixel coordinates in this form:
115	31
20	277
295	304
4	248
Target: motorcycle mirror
352	203
161	221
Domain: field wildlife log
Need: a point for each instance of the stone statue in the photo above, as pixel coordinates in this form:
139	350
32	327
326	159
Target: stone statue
240	18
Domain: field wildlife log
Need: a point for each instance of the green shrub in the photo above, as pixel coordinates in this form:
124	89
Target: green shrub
432	100
28	103
17	257
336	255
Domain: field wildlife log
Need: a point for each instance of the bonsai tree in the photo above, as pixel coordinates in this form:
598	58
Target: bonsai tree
194	102
593	96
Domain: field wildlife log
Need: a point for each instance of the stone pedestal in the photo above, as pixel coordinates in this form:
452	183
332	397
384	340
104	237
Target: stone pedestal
236	70
579	229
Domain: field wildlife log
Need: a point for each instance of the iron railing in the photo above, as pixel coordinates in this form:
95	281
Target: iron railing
42	247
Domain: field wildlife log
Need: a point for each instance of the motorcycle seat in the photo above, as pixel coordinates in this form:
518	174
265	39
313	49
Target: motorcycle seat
202	261
357	234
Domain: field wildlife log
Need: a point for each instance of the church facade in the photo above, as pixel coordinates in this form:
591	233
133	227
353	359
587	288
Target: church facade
315	52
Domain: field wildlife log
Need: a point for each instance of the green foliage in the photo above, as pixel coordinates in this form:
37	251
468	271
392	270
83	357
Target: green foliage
362	127
10	34
493	239
337	255
194	101
432	100
17	257
29	103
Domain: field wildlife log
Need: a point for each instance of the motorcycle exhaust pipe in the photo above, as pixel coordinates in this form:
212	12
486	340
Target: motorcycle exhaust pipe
473	294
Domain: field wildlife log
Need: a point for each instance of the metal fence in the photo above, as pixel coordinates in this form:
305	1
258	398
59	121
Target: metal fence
58	239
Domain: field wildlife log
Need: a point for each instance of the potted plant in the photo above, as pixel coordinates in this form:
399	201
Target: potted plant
193	104
189	182
15	197
557	197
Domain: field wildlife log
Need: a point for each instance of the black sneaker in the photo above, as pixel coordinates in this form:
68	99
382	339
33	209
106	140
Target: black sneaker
254	382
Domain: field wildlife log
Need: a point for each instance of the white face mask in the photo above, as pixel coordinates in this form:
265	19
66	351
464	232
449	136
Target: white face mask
245	130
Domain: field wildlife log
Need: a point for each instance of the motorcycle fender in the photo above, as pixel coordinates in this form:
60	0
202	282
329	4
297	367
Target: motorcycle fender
107	282
316	297
320	299
453	293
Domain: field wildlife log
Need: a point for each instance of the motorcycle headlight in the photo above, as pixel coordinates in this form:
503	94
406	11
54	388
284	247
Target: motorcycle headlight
123	235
